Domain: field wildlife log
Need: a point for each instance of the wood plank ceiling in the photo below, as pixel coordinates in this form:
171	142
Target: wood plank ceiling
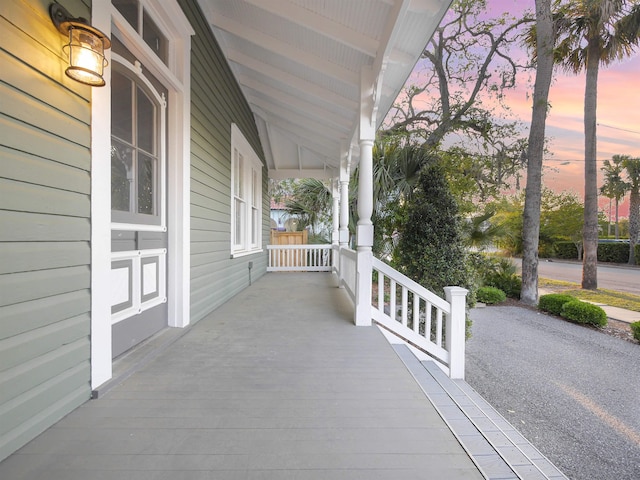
299	65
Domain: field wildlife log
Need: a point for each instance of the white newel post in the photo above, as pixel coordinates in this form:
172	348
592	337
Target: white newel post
456	331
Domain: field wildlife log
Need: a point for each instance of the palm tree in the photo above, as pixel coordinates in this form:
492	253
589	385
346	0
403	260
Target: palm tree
591	33
310	202
543	55
396	169
614	187
632	168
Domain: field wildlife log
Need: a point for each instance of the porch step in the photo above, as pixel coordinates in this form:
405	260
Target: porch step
495	446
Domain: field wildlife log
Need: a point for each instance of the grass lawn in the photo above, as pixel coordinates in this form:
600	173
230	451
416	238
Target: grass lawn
612	298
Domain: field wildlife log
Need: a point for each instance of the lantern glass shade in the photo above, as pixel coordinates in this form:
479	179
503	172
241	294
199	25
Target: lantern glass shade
86	56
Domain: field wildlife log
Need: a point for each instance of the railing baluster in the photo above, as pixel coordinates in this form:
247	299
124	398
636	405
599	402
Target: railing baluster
381	291
427	323
405	309
439	327
392	299
416	313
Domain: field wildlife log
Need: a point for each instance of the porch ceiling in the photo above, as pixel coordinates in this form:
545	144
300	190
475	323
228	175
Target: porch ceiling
299	65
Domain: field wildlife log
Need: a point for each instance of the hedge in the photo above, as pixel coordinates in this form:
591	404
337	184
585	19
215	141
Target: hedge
616	252
565	250
584	313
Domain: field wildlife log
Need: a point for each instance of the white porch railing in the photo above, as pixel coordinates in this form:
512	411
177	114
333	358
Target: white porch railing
300	258
420	317
398	304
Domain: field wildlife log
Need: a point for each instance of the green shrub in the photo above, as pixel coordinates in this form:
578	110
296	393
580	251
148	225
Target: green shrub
553	302
635	328
584	313
490	295
503	276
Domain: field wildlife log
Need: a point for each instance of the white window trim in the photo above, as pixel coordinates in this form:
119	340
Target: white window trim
178	74
252	164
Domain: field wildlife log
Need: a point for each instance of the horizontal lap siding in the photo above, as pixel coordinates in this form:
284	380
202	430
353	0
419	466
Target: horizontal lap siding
44	226
216	103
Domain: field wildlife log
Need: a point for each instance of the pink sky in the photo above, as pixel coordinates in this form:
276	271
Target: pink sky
618	117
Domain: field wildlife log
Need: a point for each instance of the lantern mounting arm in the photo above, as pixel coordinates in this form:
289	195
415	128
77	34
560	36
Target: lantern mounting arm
63	21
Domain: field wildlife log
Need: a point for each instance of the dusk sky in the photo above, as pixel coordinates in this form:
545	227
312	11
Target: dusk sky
618	115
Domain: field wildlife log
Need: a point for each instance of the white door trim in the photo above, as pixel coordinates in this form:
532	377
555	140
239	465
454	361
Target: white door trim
178	209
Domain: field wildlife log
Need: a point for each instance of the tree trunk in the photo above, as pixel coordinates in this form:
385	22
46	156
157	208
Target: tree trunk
634	224
590	231
617	220
531	221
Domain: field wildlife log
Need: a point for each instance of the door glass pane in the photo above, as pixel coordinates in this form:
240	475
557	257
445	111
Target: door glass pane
129	10
121	176
121	107
146	181
154	37
145	122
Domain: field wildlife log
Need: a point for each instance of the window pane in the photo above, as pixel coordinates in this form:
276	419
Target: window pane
121	107
146	183
254	226
145	122
129	10
240	176
239	221
154	38
121	176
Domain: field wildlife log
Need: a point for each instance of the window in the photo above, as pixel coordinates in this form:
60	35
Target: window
246	196
139	18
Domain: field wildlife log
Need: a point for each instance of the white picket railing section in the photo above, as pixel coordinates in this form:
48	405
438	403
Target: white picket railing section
420	317
346	270
300	258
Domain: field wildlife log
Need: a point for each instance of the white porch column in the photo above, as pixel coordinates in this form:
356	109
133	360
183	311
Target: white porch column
335	195
343	230
364	232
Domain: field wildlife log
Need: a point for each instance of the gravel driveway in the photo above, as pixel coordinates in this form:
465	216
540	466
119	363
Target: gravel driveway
572	391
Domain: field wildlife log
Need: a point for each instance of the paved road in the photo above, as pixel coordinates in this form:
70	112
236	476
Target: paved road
622	279
572	391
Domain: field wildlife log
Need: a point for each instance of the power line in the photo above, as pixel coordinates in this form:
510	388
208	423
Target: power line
616	128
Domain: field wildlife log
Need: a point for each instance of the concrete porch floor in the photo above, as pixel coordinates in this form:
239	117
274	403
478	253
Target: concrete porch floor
276	384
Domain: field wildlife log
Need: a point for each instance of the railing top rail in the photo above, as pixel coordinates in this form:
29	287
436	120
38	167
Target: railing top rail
412	285
319	246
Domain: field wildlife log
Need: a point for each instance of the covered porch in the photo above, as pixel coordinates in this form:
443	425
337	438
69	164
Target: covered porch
276	384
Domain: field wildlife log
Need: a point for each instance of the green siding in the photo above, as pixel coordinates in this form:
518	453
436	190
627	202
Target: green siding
44	226
216	103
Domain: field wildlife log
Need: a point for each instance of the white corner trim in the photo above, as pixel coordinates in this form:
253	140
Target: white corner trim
101	364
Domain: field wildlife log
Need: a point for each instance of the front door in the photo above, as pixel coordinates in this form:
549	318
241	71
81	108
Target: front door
138	206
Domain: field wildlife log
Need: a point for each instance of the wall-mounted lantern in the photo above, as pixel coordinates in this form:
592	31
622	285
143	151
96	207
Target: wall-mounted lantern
85	48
